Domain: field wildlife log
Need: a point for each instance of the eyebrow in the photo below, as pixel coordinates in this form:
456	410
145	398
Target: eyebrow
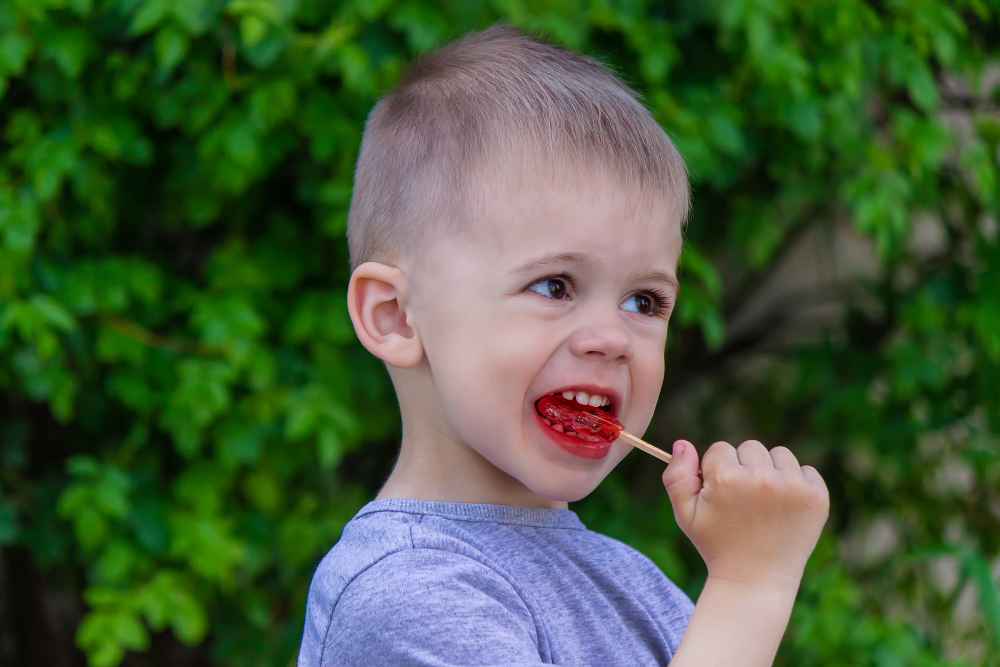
586	261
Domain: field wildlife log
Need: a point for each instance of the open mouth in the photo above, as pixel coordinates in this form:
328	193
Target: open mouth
573	413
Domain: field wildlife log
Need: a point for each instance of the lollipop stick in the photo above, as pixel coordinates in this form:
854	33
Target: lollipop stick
644	446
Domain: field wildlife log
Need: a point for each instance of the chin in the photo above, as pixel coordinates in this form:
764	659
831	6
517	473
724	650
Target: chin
569	491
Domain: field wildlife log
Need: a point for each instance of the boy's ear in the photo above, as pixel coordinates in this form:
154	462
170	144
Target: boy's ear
376	302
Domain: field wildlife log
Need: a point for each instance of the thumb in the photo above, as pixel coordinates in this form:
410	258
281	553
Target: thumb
682	482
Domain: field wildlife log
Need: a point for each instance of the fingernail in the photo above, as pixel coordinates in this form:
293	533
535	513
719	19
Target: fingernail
678	447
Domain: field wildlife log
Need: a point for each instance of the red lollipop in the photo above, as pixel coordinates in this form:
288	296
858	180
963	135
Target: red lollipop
580	418
588	420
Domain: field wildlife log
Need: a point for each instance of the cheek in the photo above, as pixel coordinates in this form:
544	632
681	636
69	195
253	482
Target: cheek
482	379
647	378
650	364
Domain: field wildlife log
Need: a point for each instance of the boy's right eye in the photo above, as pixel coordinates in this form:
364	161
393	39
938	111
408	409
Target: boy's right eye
553	287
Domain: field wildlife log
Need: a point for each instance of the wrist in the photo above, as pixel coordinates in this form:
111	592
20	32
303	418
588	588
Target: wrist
777	588
736	623
765	582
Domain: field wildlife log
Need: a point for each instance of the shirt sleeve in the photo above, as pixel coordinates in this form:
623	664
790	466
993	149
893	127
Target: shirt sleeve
430	607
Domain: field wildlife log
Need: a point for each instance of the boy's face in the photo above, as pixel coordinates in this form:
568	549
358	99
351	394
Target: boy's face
500	332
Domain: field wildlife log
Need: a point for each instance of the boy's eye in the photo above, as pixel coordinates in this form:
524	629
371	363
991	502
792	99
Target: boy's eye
652	303
643	304
552	287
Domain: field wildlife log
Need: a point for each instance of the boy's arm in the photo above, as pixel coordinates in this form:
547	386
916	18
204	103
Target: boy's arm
733	624
754	519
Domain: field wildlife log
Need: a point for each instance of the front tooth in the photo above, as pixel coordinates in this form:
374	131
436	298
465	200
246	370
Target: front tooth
568	395
558	427
596	401
582	398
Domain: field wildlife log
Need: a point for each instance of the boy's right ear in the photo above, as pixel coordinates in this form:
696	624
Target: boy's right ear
376	300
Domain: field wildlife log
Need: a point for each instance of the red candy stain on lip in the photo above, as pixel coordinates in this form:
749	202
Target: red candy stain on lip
580	418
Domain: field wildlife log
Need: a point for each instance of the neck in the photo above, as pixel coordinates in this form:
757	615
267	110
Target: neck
437	467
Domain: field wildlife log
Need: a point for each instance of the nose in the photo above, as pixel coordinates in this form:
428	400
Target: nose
604	336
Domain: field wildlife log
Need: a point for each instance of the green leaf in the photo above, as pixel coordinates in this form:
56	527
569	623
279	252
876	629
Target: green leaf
15	50
106	635
70	50
329	448
987	592
170	45
150	14
52	312
253	30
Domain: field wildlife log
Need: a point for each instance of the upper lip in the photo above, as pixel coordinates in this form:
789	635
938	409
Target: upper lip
592	389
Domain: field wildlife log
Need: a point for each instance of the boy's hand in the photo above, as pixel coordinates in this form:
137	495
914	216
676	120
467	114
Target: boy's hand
757	515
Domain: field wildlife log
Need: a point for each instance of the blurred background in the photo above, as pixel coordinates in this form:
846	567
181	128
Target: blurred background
187	420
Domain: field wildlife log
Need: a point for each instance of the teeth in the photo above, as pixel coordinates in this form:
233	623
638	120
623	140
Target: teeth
558	427
583	398
547	421
583	436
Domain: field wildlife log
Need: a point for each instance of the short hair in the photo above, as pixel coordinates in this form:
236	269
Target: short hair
486	108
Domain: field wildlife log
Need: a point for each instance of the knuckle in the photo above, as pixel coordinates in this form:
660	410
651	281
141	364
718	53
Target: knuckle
728	477
765	480
718	447
784	452
752	444
670	477
821	495
814	478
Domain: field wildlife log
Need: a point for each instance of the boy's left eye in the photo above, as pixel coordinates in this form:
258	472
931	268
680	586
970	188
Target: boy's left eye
644	304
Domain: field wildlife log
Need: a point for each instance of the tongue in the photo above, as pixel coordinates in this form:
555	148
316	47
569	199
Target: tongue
580	418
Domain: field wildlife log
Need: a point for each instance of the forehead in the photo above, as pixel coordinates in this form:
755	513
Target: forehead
580	213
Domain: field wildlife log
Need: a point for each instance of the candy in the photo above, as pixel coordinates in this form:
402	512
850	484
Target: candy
580	418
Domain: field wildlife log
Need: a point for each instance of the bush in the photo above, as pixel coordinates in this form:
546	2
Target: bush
188	420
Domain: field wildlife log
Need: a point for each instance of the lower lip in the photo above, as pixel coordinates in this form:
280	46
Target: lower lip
573	444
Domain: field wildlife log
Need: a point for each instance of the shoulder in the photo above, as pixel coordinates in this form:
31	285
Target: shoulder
382	590
423	604
393	544
432	581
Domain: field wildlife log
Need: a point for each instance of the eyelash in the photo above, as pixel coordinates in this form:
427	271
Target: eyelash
660	301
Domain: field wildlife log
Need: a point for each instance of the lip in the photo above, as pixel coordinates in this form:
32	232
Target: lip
573	445
616	400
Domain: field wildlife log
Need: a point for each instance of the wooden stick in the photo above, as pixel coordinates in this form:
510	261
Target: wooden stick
644	446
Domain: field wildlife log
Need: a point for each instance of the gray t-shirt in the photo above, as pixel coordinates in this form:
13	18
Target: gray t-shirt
415	582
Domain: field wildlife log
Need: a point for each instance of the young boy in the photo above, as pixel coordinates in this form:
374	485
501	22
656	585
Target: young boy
514	233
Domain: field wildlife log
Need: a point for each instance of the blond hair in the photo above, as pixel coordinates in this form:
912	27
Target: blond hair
486	108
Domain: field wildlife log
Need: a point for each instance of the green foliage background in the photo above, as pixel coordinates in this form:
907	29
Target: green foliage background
187	421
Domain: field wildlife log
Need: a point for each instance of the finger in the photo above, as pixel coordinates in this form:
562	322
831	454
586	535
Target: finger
813	477
784	460
682	481
753	454
720	455
815	481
